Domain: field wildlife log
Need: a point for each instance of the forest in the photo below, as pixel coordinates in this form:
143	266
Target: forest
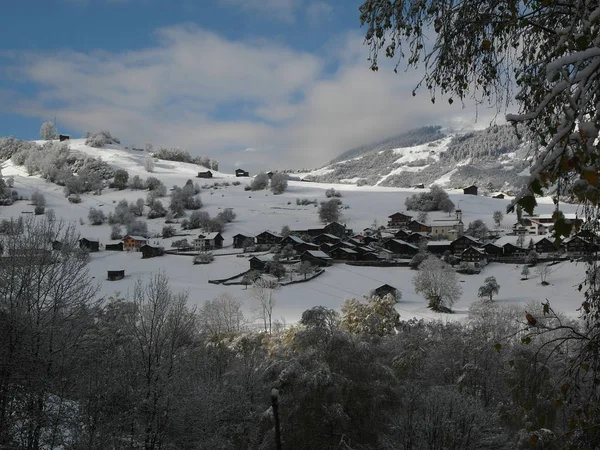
147	371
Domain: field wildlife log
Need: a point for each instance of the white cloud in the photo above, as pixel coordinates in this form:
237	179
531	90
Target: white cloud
318	11
277	9
214	96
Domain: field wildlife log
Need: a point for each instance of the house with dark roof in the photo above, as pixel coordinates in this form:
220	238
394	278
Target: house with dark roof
151	251
211	241
291	240
398	220
115	275
463	242
241	240
115	247
326	238
493	250
438	247
545	245
417	227
301	248
268	238
205	174
470	190
337	229
241	173
317	258
91	245
473	255
257	263
344	254
386	289
401	247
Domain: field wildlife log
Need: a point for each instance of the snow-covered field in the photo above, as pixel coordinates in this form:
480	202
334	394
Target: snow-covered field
261	210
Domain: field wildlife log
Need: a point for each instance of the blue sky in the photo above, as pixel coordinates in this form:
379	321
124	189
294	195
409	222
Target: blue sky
250	82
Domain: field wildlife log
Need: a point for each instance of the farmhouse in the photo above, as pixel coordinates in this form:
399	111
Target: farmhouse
545	245
291	240
151	251
92	245
134	242
326	238
316	257
205	174
578	246
343	253
63	137
115	275
531	227
268	238
438	247
210	242
241	173
398	220
462	243
513	250
470	190
473	255
386	289
115	247
493	250
416	238
257	263
301	248
242	240
401	247
402	234
337	229
418	227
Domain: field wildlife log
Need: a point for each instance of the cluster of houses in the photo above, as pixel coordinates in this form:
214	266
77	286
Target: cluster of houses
129	243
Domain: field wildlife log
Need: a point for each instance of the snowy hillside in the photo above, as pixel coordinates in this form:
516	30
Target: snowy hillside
492	158
261	210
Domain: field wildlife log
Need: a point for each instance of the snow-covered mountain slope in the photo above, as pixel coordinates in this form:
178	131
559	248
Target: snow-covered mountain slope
261	210
493	158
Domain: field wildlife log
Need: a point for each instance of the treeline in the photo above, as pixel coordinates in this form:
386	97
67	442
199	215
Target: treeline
145	371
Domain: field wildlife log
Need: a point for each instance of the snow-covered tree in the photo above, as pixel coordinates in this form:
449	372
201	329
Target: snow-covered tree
149	164
478	229
222	315
263	292
48	131
96	216
279	183
525	271
329	211
438	282
260	182
498	216
378	316
489	289
121	179
305	268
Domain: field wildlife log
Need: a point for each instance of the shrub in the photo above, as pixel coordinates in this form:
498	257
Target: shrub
260	182
139	227
330	210
100	139
39	209
48	131
137	184
116	232
168	231
149	164
96	216
279	183
154	184
198	219
121	179
227	215
332	193
74	198
236	183
204	258
435	200
156	210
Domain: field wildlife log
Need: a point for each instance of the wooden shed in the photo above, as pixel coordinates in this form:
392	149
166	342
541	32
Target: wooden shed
470	190
118	247
151	251
115	275
205	174
92	245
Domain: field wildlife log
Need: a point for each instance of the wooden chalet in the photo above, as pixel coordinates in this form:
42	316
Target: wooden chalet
257	263
91	245
370	239
588	236
578	246
63	137
134	242
240	240
439	247
402	234
460	244
337	229
317	258
473	255
211	241
344	253
115	275
241	173
500	196
326	238
401	247
509	249
151	251
416	238
398	220
493	250
115	247
545	245
205	174
268	238
370	256
386	289
470	190
301	248
291	240
358	243
417	227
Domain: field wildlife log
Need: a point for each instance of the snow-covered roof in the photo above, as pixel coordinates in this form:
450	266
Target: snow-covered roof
471	238
440	243
90	239
211	236
346	250
445	223
296	239
513	240
331	236
400	241
318	254
478	250
136	237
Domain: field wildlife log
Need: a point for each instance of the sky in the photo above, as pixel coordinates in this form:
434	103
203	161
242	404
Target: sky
257	84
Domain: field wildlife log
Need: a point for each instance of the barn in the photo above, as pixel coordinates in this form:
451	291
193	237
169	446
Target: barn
241	173
151	251
470	190
118	247
205	174
115	275
92	245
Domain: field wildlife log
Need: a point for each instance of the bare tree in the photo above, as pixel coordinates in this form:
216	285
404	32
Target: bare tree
438	283
222	315
305	268
149	164
543	270
263	291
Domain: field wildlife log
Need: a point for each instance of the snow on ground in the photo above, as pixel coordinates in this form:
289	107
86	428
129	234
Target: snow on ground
261	210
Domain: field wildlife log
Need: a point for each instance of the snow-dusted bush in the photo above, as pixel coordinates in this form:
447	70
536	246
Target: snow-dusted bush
260	182
279	183
116	232
214	226
122	214
74	198
121	178
100	139
329	211
48	131
168	231
156	209
96	216
136	183
173	154
10	146
149	164
227	215
329	193
39	209
198	219
138	227
38	199
204	258
137	208
154	184
433	200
